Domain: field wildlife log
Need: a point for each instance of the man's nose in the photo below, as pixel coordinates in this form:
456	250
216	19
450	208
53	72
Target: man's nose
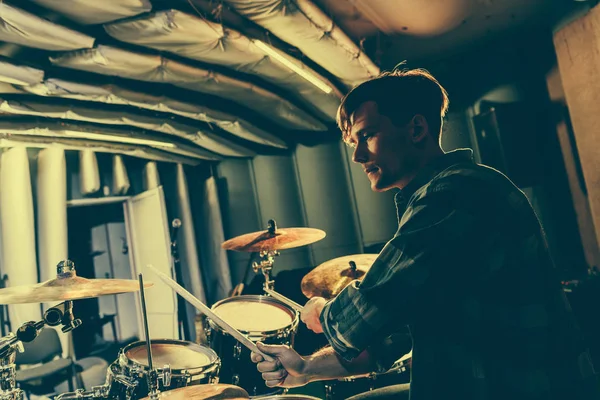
359	155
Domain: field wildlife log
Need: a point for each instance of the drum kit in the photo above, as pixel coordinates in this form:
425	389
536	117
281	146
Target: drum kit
221	369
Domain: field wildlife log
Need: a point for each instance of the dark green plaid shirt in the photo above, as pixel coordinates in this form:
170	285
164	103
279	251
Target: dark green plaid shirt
469	276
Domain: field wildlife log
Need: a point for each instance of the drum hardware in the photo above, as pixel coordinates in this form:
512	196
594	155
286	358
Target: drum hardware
267	258
267	243
186	363
265	266
60	314
331	277
209	313
118	385
153	375
184	329
261	318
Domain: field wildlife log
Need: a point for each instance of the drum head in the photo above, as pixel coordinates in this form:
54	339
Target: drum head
178	354
288	397
255	313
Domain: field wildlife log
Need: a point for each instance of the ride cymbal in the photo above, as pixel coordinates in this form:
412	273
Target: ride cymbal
280	239
331	277
209	391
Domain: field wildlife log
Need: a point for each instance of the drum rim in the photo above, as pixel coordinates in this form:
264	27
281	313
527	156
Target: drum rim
294	396
259	299
215	361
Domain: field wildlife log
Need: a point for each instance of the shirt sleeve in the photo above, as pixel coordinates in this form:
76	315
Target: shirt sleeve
435	226
389	350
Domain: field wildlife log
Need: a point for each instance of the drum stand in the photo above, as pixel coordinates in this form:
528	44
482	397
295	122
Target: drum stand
61	314
105	391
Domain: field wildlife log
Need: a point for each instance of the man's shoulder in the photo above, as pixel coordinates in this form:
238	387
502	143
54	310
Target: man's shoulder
468	181
464	176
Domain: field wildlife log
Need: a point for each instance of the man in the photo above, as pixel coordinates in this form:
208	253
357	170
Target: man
468	271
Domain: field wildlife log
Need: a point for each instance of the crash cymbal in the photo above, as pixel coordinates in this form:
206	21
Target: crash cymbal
281	239
71	287
331	277
209	391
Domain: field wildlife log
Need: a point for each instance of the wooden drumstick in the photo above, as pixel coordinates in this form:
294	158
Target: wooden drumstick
209	313
284	299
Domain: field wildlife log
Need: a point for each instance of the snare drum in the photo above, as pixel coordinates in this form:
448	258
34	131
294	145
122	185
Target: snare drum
189	364
262	319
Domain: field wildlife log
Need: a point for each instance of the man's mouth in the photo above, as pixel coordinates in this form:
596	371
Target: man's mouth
371	169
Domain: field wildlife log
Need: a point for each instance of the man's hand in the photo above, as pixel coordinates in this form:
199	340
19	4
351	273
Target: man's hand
311	312
287	369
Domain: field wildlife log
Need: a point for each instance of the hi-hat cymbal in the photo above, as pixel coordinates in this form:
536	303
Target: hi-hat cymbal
72	287
209	391
331	277
281	239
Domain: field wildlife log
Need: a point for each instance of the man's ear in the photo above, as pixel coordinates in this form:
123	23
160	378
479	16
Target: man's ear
420	129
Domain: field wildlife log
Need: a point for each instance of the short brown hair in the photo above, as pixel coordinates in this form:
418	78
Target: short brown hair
399	95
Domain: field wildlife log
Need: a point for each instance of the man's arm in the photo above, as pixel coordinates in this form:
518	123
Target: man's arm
416	266
291	370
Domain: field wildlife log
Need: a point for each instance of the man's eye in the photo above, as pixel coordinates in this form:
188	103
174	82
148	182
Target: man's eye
367	135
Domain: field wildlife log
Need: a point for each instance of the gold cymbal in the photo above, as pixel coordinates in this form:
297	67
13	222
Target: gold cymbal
331	277
208	391
70	287
281	239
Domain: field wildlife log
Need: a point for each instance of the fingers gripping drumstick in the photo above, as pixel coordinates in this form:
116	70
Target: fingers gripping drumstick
209	313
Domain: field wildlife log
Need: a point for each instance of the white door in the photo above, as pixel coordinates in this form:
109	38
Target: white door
149	243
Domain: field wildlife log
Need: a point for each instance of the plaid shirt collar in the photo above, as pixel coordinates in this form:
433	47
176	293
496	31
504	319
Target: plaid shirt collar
427	173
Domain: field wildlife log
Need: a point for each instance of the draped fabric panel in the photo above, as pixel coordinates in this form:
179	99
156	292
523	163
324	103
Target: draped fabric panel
279	198
214	258
187	242
121	183
150	177
241	211
112	94
18	230
97	12
89	174
113	61
190	263
26	29
328	200
20	75
52	219
197	38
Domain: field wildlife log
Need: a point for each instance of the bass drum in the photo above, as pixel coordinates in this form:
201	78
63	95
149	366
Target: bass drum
261	318
341	389
189	364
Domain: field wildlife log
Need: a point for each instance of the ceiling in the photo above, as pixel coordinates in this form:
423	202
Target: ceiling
203	80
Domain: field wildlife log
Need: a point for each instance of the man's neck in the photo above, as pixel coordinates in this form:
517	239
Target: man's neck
424	161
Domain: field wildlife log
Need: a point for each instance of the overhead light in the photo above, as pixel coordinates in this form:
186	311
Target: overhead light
291	65
92	136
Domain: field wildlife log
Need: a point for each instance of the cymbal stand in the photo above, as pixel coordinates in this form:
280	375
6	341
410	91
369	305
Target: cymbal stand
265	266
60	314
267	258
153	377
130	385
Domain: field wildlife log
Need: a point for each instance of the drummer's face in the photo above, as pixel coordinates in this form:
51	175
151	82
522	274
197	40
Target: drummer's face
384	150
